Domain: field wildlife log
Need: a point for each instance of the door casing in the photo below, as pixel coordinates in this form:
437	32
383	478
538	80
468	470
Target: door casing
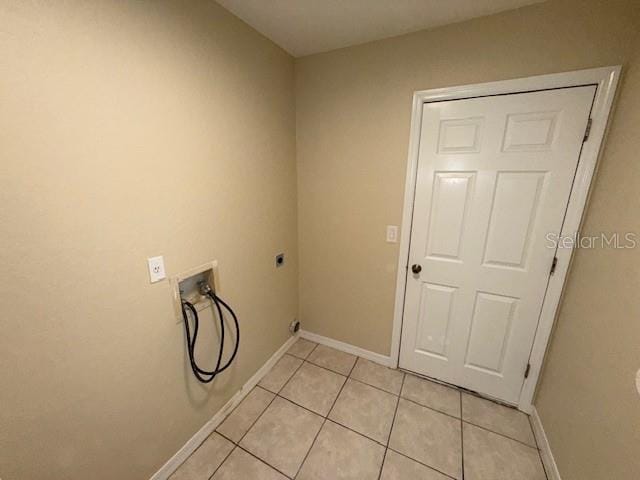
606	80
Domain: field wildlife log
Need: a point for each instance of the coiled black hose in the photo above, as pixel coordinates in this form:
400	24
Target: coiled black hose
207	376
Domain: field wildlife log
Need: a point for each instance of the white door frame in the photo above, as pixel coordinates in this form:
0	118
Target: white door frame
606	79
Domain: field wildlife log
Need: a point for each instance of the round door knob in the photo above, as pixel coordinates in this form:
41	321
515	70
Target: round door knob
416	268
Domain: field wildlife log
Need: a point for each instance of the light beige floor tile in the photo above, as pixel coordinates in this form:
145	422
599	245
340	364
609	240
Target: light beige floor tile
242	466
204	461
314	388
280	373
332	359
366	410
489	456
340	454
430	437
241	419
302	348
399	467
497	418
283	435
374	374
431	394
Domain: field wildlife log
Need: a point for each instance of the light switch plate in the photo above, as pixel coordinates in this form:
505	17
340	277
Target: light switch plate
156	269
392	234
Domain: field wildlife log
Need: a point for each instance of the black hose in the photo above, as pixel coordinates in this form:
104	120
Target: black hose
217	301
207	376
191	342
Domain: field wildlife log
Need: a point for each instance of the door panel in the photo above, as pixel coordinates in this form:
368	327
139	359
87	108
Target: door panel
435	302
448	214
530	132
515	204
494	178
460	135
490	327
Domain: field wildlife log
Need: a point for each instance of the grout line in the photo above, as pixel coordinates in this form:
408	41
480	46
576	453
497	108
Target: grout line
312	350
256	420
310	448
222	462
308	354
225	437
358	380
325	368
501	435
393	421
378	388
423	464
387	367
356	432
321	427
275	395
261	460
294	372
395	413
332	420
290	378
384	458
303	407
470	423
236	408
432	409
353	367
261	388
336	399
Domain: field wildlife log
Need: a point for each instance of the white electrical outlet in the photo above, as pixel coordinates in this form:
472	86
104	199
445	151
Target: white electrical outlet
156	269
392	234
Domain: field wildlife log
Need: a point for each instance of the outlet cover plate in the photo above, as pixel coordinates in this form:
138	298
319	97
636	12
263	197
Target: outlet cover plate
156	269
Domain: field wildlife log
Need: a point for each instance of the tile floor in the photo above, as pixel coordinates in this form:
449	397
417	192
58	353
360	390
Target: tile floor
321	414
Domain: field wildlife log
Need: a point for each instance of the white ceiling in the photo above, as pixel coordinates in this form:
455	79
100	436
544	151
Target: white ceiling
303	27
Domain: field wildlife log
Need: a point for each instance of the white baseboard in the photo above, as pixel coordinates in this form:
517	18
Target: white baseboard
208	428
545	449
348	348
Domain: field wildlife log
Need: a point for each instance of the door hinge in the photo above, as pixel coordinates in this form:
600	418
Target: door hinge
554	264
588	130
527	370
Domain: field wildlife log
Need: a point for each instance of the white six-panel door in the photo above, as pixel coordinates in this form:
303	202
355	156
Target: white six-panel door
494	178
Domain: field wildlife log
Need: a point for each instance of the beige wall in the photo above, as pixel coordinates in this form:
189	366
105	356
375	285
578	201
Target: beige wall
353	116
587	397
132	129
